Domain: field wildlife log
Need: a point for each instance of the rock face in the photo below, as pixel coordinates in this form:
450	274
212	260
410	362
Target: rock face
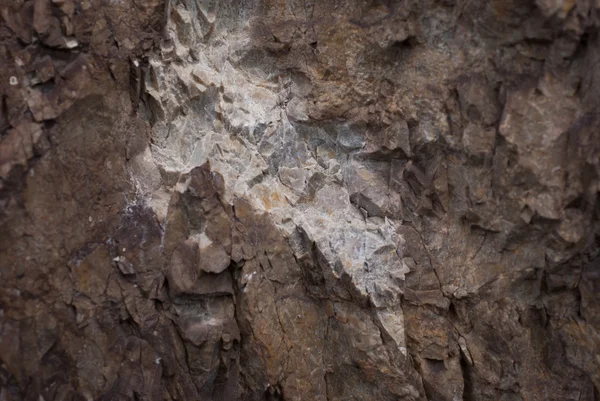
300	200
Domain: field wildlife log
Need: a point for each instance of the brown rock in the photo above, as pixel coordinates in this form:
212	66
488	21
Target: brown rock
299	200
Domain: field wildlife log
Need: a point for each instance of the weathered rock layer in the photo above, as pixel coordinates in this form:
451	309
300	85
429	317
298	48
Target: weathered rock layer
300	200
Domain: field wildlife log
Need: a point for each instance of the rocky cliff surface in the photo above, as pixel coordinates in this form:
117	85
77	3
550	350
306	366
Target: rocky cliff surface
300	200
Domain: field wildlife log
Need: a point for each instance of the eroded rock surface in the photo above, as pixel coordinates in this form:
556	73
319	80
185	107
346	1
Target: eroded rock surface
299	200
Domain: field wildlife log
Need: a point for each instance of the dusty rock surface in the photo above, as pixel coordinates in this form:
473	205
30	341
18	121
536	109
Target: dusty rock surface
300	200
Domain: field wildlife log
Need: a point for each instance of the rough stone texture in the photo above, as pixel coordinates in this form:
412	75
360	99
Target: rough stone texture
300	200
